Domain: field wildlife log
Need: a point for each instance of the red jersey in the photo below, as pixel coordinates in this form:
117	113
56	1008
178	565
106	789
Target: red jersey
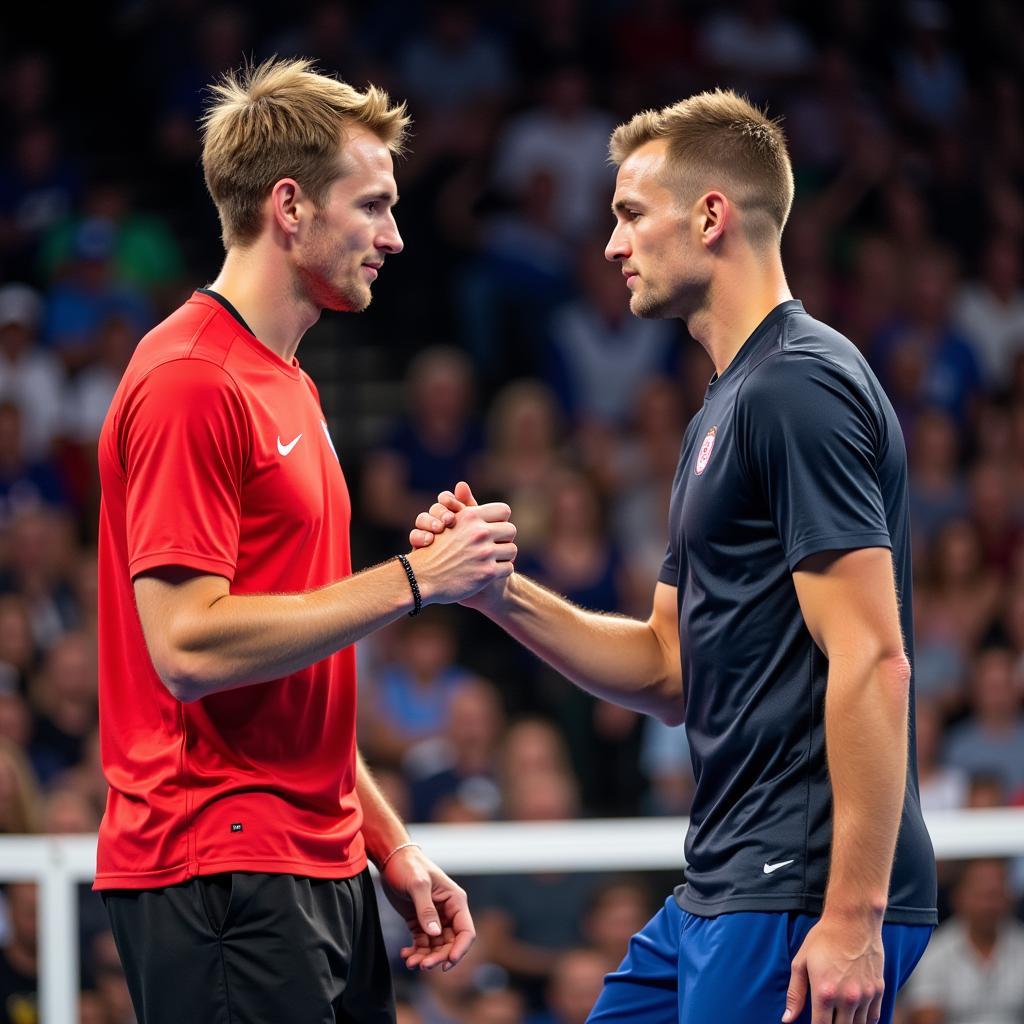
215	456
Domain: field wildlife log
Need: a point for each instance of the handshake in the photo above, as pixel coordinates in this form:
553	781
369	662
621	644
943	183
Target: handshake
460	548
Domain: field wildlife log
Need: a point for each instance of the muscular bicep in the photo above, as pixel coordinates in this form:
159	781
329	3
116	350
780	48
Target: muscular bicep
169	600
849	603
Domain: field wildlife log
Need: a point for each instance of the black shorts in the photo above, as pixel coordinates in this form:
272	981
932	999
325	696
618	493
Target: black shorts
249	948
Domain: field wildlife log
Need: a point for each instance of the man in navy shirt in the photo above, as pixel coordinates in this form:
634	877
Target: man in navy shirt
782	619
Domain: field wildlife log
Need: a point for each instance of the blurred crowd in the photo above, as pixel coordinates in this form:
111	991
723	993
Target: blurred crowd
500	350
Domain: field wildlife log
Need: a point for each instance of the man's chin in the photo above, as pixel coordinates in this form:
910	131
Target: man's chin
646	307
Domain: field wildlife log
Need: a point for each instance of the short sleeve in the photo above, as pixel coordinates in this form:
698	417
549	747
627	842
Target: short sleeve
810	438
185	444
669	572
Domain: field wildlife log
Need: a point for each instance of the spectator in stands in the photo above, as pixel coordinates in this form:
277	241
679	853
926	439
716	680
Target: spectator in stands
452	64
576	982
63	696
938	492
39	186
525	450
754	47
454	775
943	787
410	696
600	355
522	920
924	360
991	740
29	376
619	908
437	439
20	801
19	960
17	645
990	507
566	137
24	485
86	293
144	251
496	1006
990	310
960	596
929	74
971	970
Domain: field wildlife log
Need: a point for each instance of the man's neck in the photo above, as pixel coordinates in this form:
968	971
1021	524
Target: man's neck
739	298
264	293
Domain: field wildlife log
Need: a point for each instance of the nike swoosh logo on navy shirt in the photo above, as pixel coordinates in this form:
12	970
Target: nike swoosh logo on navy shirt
285	449
770	868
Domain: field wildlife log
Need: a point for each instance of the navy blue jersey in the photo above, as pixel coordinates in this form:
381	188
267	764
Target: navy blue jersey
796	450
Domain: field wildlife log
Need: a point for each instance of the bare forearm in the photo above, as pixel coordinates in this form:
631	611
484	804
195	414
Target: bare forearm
382	828
613	657
866	740
242	639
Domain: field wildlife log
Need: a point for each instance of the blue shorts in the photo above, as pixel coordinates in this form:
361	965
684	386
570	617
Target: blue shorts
730	969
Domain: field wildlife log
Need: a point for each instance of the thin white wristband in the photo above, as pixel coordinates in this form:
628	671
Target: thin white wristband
400	846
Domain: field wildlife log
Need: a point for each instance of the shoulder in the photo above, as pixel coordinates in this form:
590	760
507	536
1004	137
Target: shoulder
813	367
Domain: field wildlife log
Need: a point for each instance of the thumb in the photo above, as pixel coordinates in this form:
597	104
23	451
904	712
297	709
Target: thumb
464	494
426	912
797	994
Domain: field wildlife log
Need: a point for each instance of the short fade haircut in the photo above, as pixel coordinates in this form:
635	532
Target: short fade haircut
720	139
283	119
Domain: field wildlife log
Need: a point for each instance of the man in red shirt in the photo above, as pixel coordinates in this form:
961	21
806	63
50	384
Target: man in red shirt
233	851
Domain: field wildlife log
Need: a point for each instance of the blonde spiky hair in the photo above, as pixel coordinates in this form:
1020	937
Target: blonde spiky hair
720	139
282	119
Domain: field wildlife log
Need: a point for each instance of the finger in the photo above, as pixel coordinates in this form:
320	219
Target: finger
464	494
430	523
502	533
420	538
494	512
505	552
844	1008
448	500
875	1009
860	1013
796	996
824	1006
442	512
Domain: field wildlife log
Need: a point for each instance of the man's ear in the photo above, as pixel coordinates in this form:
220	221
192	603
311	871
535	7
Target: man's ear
285	198
714	213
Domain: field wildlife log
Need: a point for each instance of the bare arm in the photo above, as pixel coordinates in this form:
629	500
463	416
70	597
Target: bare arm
626	661
849	604
203	639
433	906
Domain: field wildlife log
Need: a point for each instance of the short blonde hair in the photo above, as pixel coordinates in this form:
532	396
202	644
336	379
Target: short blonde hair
283	119
720	136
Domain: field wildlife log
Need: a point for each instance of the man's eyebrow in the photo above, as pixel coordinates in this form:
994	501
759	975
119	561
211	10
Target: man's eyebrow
623	204
387	196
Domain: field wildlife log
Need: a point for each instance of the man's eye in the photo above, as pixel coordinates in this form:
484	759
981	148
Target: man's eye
371	207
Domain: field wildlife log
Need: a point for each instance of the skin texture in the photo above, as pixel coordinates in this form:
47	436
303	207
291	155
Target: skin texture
693	260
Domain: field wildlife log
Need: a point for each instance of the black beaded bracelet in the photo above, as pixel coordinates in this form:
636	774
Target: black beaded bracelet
413	585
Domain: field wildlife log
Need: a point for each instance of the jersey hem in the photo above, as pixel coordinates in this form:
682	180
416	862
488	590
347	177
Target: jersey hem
175	556
838	542
804	903
185	872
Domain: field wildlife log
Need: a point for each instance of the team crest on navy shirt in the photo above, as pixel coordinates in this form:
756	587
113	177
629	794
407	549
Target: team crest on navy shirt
706	448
